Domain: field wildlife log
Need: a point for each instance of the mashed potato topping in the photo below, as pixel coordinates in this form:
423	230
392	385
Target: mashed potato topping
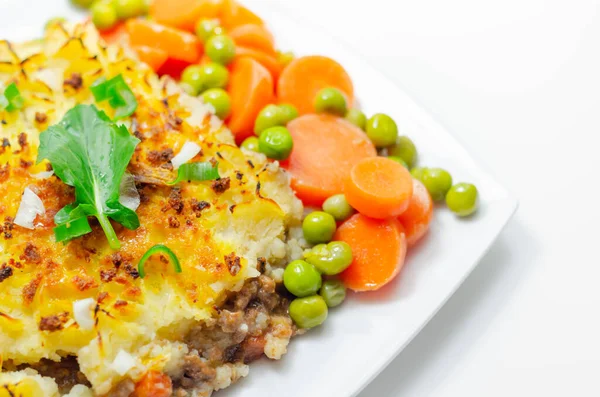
84	299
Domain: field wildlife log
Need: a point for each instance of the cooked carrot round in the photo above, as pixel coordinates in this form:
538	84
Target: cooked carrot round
378	250
184	14
234	14
304	77
254	36
325	150
154	57
178	44
153	384
379	187
417	217
250	89
268	60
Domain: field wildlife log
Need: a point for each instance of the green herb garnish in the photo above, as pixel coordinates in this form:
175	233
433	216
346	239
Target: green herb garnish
197	172
11	98
117	93
89	152
159	249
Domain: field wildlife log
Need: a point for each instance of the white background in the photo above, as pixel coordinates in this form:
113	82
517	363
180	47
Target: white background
518	82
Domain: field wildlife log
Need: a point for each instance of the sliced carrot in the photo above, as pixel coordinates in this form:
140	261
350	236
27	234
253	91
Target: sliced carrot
325	150
304	77
154	384
254	36
154	57
235	14
378	250
178	44
379	187
417	217
269	61
116	35
250	89
183	14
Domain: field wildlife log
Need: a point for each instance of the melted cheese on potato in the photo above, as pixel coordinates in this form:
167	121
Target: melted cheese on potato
217	229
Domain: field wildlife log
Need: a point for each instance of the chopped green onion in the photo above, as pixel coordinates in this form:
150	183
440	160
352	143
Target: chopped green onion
197	172
11	98
117	93
72	229
159	249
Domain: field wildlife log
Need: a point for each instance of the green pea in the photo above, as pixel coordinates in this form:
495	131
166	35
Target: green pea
438	182
338	207
276	143
418	173
357	117
333	292
382	130
104	15
130	8
250	144
54	21
331	100
301	279
213	75
285	58
330	259
288	113
462	199
191	79
269	116
206	28
83	3
220	49
318	227
399	160
405	149
219	99
308	312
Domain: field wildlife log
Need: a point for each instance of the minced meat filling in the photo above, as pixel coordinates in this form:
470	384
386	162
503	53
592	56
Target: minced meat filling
238	335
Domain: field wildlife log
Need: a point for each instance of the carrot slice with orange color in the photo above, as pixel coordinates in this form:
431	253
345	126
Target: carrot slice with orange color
325	150
269	61
250	89
304	77
234	14
417	217
153	384
183	14
378	250
154	57
254	36
178	44
379	187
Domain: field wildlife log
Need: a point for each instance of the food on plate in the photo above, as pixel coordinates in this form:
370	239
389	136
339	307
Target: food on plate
462	199
142	251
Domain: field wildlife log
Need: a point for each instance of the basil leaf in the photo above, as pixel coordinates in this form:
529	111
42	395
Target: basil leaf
158	249
196	172
90	152
117	93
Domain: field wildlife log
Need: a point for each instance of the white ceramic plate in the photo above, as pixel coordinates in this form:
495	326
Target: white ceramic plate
362	336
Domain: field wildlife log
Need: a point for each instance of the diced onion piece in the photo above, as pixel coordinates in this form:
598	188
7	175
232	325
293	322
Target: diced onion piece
43	175
188	152
52	77
128	194
30	207
82	312
123	362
